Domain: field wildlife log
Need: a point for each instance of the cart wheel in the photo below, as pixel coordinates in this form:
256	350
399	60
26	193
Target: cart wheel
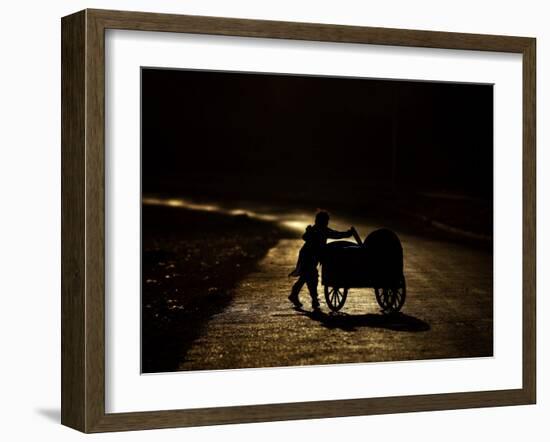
335	297
391	299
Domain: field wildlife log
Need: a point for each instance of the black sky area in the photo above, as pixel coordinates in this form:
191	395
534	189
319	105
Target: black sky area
267	135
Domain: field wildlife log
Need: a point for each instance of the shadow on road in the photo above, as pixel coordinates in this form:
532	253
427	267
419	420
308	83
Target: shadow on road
345	322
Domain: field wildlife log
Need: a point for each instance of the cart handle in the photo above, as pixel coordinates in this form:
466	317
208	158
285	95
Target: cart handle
356	236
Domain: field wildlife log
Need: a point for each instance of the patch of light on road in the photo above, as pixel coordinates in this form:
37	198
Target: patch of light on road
294	224
180	202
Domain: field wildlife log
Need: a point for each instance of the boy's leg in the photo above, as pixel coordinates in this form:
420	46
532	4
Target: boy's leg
296	290
312	282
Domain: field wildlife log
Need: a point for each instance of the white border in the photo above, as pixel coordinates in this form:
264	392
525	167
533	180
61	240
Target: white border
127	390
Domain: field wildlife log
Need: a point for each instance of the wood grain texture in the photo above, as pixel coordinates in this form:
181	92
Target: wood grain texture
83	219
307	410
73	349
95	222
306	31
529	221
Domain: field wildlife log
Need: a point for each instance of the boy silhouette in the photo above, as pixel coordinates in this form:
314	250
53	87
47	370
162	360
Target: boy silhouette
315	238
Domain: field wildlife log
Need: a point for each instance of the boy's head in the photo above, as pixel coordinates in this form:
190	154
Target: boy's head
321	219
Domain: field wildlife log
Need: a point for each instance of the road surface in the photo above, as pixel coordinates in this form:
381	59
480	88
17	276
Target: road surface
448	313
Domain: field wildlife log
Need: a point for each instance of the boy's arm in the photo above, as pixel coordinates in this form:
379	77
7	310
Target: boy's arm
335	234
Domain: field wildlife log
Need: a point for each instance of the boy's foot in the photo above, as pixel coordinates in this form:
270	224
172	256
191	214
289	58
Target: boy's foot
315	304
294	299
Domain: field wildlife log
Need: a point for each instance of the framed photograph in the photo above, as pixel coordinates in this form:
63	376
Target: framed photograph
267	220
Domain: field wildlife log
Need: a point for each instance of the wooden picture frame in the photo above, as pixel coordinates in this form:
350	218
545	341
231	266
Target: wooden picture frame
83	219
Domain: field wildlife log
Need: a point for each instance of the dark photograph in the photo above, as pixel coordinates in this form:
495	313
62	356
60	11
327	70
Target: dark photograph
294	220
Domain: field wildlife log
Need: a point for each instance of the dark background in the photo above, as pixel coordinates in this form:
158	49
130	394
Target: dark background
415	157
303	138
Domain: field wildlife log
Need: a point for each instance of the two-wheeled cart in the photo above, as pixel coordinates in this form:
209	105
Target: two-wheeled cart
376	263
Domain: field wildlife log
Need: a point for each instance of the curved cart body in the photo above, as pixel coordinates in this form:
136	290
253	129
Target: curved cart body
377	264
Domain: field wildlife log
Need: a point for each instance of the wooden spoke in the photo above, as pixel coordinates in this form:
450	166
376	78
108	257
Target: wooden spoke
335	297
391	299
